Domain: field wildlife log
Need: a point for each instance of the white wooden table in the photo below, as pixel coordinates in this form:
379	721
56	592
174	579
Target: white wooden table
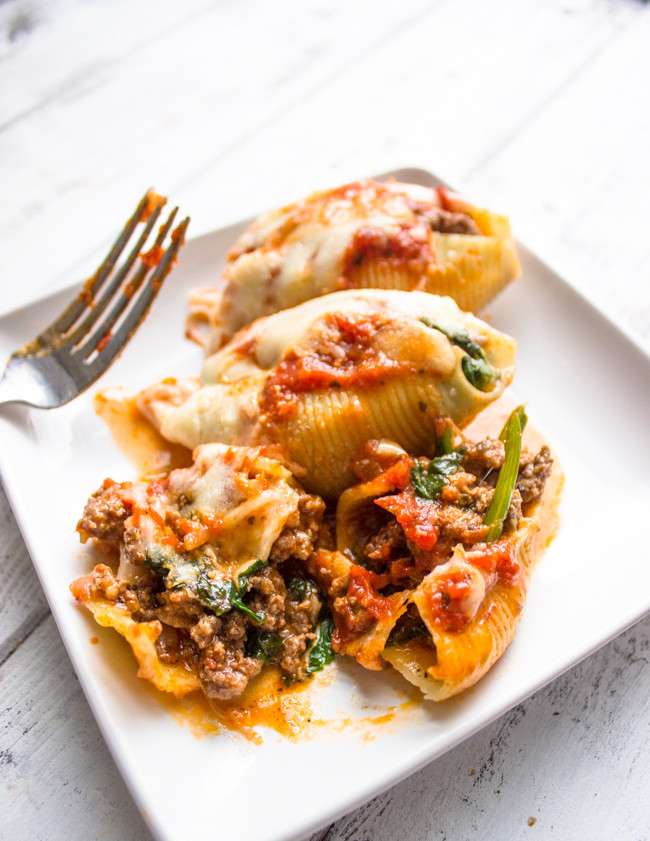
541	107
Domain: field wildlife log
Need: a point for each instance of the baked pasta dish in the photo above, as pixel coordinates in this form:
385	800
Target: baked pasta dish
365	235
343	497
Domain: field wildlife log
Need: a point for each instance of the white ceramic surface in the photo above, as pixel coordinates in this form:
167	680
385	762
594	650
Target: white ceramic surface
586	385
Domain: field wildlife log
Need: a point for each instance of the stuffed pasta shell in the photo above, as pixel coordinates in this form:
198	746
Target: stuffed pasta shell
202	574
363	235
426	575
321	379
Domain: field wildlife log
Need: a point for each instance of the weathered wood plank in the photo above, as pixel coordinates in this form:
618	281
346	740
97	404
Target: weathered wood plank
575	179
22	603
58	778
37	70
182	99
229	124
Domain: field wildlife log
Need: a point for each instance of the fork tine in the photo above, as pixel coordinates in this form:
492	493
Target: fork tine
108	291
103	329
86	296
140	307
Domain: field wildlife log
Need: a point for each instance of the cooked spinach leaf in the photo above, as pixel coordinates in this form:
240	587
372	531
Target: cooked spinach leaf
429	481
221	595
176	570
298	589
321	653
500	503
478	371
264	645
243	577
159	560
406	633
445	442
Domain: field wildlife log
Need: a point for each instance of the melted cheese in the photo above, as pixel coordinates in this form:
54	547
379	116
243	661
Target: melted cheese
415	366
301	251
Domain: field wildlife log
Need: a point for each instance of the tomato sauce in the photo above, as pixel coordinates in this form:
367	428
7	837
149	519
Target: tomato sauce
362	602
498	559
390	248
151	258
416	516
347	358
445	602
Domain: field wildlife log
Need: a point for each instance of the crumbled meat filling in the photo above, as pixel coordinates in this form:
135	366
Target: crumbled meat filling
216	647
413	535
300	531
444	221
224	668
104	514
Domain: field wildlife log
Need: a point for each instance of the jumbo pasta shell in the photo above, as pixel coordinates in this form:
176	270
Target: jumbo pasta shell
329	428
141	636
363	235
472	270
449	662
319	380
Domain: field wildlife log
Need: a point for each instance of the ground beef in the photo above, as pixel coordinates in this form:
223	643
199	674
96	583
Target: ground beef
268	594
223	649
352	616
533	473
132	545
104	514
444	221
389	541
484	457
179	608
224	669
300	530
216	646
176	646
455	516
298	633
105	585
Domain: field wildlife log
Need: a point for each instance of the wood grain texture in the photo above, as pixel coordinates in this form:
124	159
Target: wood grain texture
540	106
58	779
22	606
576	182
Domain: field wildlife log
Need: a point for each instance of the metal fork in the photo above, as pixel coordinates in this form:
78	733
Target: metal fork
70	354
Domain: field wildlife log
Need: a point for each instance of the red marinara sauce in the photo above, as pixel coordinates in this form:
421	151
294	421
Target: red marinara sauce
362	601
498	560
446	601
415	516
400	248
345	357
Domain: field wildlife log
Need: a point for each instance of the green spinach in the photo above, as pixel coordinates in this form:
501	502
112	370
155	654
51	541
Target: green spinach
429	481
264	645
477	370
406	633
500	503
222	594
321	653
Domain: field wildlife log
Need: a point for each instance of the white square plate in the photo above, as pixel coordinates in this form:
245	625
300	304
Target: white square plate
587	387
